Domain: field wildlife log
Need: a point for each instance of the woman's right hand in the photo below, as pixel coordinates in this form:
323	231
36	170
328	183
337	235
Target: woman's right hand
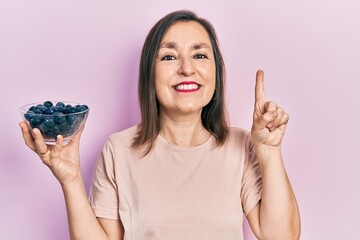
63	160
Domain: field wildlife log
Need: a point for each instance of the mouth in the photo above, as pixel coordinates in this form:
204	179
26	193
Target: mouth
187	87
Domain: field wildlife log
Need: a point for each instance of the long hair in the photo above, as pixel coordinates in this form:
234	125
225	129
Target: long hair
213	115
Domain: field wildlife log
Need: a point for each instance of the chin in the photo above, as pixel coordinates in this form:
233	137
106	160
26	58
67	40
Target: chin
190	109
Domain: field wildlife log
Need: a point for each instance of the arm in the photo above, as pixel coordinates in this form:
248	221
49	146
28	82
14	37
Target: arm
64	162
82	222
276	216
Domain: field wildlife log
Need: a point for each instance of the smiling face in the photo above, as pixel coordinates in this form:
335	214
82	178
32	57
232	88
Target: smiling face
185	69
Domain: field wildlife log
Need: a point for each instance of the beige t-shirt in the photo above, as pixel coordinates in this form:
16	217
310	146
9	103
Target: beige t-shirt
177	193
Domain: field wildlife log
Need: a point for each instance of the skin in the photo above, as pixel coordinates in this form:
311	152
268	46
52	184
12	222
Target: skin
276	216
185	55
187	58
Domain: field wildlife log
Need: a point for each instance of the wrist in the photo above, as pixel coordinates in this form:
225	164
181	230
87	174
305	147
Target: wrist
268	154
76	183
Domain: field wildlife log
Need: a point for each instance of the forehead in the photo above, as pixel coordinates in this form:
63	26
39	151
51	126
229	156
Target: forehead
187	31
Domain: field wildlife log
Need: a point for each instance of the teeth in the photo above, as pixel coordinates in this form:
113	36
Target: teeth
186	87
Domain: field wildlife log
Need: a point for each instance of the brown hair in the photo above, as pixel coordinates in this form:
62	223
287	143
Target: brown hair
213	115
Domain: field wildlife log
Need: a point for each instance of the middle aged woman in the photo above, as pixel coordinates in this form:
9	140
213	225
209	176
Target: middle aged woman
182	173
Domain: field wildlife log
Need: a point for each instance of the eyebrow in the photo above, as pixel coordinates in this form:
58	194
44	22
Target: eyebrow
173	45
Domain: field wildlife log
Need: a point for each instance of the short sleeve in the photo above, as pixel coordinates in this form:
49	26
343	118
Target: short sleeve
252	180
103	196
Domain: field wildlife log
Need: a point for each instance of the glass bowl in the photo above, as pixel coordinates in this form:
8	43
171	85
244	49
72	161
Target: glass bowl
54	118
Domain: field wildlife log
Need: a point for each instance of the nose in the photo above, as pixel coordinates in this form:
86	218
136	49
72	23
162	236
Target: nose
186	67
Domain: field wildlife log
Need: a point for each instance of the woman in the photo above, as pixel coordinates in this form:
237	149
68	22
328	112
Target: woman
182	173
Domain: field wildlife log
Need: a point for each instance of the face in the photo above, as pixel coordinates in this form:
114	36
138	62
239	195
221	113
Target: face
185	69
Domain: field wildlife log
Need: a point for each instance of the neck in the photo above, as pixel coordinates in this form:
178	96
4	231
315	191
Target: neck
186	132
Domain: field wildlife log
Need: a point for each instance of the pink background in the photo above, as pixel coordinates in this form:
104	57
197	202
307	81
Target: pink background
88	51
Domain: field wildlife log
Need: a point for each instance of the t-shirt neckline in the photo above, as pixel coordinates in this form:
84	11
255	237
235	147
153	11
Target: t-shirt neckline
205	145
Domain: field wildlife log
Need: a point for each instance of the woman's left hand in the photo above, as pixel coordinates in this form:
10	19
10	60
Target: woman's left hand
269	121
278	206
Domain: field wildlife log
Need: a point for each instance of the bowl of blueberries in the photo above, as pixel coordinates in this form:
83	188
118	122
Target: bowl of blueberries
55	118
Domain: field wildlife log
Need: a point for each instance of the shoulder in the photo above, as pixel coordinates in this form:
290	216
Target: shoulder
118	144
238	134
123	138
238	138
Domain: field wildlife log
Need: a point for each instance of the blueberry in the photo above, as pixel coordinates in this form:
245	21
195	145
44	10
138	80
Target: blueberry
60	104
28	115
42	108
59	117
71	110
43	128
65	129
48	104
55	109
62	110
59	109
77	108
49	111
71	118
55	129
35	109
38	111
64	126
50	134
36	120
49	121
81	108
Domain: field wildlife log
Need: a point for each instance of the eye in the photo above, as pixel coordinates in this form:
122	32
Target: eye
200	56
168	58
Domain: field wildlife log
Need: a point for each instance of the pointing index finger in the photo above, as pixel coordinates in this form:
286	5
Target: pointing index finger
259	86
